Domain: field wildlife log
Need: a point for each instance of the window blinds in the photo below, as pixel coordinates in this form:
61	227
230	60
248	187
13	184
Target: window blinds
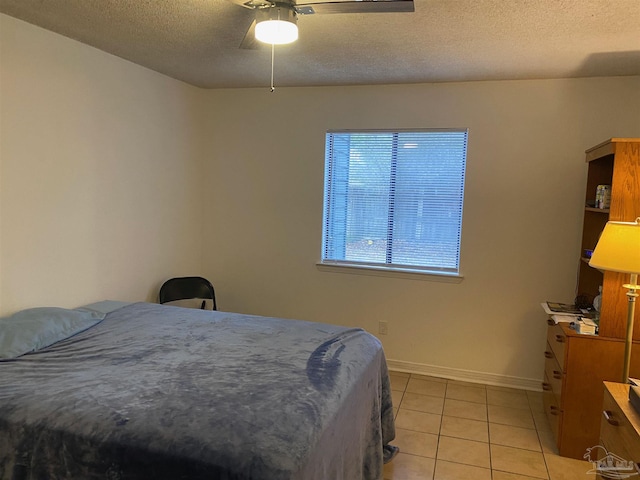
394	198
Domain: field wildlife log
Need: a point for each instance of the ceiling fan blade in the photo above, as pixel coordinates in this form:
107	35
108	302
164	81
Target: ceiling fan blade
357	6
249	41
253	4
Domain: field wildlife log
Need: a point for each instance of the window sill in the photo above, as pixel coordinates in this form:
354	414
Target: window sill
355	269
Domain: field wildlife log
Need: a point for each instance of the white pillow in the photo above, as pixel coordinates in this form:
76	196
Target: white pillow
192	303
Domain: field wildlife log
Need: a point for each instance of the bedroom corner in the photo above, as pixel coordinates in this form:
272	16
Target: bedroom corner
100	173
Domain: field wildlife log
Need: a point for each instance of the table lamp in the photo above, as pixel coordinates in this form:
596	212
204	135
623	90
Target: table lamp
618	250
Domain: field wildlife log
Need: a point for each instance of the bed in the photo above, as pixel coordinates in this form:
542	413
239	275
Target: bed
151	391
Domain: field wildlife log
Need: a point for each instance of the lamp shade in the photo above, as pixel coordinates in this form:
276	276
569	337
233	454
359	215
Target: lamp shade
277	25
618	249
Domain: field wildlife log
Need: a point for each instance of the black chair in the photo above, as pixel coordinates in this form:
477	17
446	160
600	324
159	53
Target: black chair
185	288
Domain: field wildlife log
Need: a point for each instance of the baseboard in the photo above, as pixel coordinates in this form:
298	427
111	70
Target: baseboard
466	375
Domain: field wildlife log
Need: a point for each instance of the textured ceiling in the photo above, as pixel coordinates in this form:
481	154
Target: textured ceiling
443	40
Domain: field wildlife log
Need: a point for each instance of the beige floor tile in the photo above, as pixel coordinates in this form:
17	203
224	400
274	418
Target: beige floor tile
457	471
562	468
466	383
540	419
535	402
500	388
416	443
518	437
448	420
467	393
426	387
465	428
429	377
468	452
462	409
409	467
513	399
547	441
516	460
423	403
510	476
516	417
418	421
396	397
398	382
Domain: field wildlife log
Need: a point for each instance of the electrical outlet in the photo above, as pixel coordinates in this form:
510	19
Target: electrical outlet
383	328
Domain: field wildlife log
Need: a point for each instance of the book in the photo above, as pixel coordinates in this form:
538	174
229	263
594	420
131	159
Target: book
564	308
562	318
585	326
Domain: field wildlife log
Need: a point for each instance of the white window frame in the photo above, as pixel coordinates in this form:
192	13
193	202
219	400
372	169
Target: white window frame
388	268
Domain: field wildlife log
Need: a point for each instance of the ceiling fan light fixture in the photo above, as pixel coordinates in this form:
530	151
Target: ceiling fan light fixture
277	25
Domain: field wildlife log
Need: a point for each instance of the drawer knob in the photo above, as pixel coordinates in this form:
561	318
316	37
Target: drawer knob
546	387
608	416
560	338
557	375
548	354
550	322
553	410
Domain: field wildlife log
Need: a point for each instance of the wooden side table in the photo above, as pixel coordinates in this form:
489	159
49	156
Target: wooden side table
619	432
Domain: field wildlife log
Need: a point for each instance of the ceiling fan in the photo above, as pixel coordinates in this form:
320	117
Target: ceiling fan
276	20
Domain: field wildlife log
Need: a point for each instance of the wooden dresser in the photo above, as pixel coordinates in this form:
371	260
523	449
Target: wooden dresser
575	367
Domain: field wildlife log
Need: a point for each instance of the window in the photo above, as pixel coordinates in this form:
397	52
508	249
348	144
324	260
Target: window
393	199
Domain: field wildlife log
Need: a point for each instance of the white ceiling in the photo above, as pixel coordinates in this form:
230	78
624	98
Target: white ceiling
443	40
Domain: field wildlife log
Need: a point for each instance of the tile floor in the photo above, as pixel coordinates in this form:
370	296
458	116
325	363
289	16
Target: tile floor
451	430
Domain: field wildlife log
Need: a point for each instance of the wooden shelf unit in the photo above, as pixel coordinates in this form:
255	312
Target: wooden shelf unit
615	162
575	364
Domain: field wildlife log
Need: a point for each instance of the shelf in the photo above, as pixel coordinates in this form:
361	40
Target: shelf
586	260
597	210
607	148
614	163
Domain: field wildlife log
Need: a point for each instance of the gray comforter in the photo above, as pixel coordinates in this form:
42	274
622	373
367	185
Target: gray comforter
166	393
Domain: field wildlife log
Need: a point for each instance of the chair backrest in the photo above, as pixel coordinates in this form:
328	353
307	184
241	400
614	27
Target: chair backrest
184	288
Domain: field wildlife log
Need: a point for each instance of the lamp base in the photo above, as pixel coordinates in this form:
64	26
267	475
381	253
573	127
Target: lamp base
631	297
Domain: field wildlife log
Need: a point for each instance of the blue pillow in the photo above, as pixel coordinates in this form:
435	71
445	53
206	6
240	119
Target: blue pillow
105	306
36	328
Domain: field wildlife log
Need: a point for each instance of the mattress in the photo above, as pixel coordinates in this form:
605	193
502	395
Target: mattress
154	391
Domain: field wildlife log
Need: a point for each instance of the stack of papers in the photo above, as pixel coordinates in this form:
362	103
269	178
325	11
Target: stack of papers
579	319
561	312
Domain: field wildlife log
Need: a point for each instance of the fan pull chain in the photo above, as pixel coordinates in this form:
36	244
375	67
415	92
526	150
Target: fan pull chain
273	54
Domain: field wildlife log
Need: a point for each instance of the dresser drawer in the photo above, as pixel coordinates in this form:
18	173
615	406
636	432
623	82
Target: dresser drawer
551	407
553	371
616	431
615	450
557	341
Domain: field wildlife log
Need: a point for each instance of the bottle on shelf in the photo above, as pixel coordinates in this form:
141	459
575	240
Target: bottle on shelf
597	302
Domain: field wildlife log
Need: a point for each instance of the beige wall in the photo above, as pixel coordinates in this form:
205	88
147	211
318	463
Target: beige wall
100	193
522	213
